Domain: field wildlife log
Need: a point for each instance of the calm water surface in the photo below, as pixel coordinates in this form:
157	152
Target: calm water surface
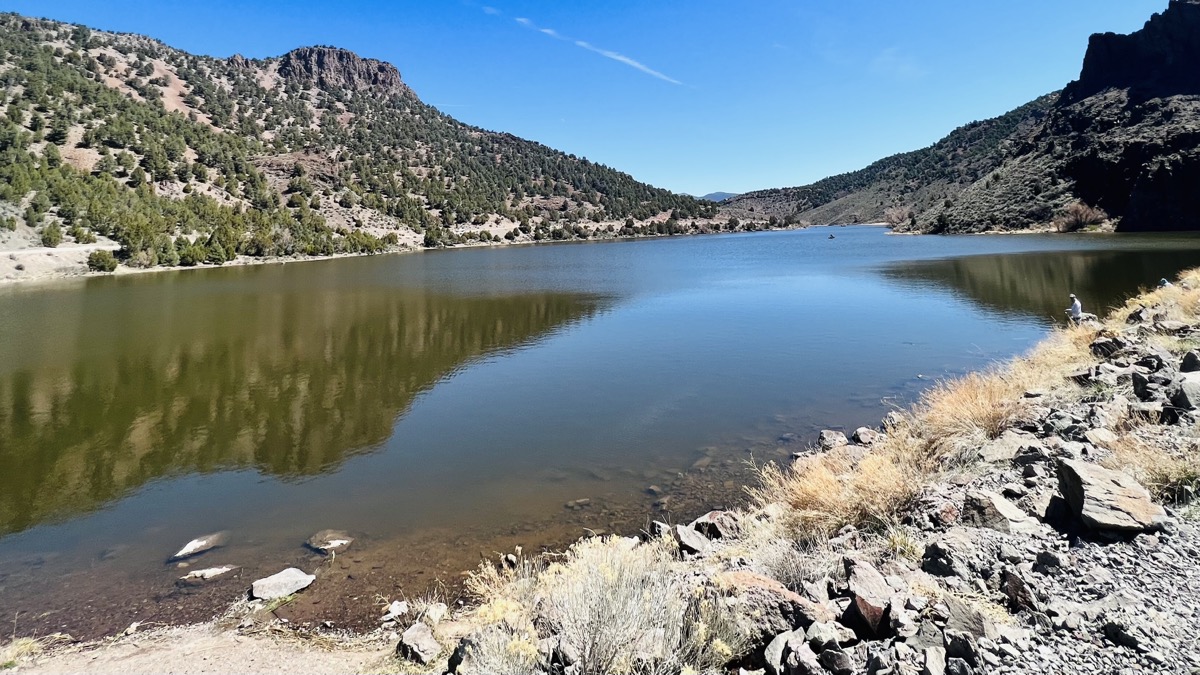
411	398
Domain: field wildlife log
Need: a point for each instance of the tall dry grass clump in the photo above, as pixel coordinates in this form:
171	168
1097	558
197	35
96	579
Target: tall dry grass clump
825	492
615	605
1171	479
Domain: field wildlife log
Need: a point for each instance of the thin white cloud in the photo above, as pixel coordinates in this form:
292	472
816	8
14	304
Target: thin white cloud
606	53
897	65
491	10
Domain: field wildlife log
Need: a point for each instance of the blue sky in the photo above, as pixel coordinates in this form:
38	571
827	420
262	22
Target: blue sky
693	96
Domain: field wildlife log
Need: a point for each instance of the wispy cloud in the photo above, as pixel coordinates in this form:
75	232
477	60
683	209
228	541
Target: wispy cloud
894	63
491	10
606	53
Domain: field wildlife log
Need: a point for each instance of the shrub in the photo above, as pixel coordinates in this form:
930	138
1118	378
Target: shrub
101	261
52	235
1078	216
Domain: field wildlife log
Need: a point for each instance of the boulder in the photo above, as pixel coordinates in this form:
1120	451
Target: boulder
870	597
1005	448
837	662
824	635
281	584
690	541
1104	347
1100	437
718	524
801	660
1107	500
990	510
830	439
1020	595
418	644
1190	363
868	436
773	654
763	608
327	542
934	661
1187	394
200	544
954	554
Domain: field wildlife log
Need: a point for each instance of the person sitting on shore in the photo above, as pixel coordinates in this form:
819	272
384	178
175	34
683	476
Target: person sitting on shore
1075	311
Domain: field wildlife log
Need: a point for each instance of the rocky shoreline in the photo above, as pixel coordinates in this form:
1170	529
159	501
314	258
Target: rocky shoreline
1038	518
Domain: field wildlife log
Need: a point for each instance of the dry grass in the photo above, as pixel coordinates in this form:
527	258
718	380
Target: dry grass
828	491
20	649
617	605
1171	479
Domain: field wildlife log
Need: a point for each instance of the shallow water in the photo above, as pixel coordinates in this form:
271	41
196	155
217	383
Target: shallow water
439	404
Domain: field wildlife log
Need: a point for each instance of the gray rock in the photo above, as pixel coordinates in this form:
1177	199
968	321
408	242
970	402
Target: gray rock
718	524
1020	595
934	661
824	635
434	612
281	584
956	666
990	510
961	645
1005	448
1100	437
690	541
867	436
418	644
329	541
763	608
201	544
773	654
830	439
870	597
1108	500
1187	396
801	660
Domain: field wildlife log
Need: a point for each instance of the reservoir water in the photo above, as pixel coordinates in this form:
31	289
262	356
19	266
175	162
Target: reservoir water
447	405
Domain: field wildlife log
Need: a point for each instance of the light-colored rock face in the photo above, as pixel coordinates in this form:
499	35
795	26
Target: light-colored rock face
1108	500
282	584
418	644
988	509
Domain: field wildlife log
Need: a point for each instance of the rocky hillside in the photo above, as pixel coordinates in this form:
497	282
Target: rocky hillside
1120	144
183	159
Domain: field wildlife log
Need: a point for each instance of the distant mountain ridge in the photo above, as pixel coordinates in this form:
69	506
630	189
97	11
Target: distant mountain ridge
186	159
718	196
1121	143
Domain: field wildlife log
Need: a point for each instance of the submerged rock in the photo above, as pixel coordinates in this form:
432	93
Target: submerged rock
198	577
201	544
329	541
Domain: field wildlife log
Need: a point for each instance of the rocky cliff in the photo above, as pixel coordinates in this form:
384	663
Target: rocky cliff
1124	138
336	69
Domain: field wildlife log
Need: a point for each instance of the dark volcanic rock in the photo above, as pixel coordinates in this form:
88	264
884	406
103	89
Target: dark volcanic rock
337	69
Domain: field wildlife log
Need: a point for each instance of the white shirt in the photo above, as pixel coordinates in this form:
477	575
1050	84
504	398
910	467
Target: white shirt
1076	309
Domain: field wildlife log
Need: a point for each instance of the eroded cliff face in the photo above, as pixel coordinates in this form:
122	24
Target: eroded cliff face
1161	59
331	68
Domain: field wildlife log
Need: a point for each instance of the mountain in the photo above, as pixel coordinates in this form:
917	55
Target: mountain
182	158
1121	145
718	196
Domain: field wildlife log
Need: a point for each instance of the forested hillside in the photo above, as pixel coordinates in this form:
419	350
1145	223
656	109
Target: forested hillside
184	159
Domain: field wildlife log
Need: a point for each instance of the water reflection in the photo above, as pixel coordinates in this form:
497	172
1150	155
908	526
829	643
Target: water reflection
1036	284
128	383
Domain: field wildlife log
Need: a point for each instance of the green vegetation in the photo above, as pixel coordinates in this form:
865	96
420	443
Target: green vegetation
101	261
189	160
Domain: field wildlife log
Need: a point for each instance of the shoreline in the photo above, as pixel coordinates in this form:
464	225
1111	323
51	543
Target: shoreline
79	270
954	505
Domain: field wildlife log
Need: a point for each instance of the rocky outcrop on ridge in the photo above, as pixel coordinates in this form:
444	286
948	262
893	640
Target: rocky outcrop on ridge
334	69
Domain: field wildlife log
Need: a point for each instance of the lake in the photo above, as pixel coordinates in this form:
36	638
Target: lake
445	406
